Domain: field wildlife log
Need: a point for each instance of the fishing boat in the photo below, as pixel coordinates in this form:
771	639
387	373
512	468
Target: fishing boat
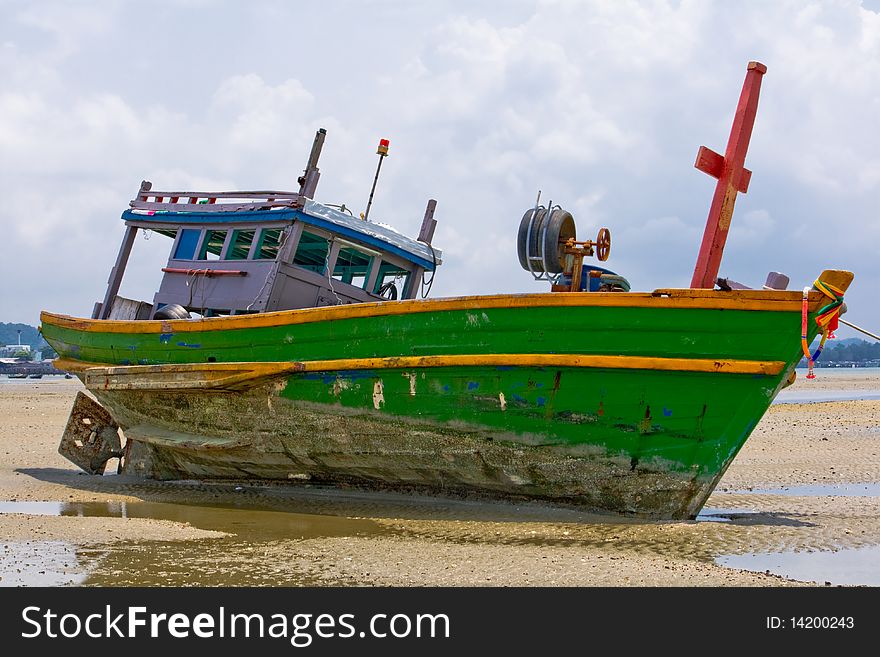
288	341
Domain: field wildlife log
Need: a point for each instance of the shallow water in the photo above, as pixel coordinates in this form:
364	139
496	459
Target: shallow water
713	514
252	524
852	566
257	520
40	563
814	396
869	489
155	563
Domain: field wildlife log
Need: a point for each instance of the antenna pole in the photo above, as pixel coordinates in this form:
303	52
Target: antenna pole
308	182
382	152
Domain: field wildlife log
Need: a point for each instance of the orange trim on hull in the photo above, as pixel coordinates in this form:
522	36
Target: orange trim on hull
755	300
231	375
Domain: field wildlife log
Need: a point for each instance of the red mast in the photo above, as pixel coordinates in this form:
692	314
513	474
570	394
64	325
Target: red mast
732	177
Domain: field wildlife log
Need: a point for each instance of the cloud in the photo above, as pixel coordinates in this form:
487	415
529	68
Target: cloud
600	104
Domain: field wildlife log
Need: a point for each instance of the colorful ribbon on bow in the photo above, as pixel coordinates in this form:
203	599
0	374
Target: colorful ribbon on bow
826	319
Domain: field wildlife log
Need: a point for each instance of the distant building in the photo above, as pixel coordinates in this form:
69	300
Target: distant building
10	350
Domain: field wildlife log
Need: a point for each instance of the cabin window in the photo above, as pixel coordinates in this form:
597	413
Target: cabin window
352	266
212	246
391	276
186	245
311	252
241	244
270	242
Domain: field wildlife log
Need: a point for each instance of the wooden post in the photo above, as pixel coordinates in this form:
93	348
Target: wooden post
118	271
308	182
577	272
732	178
426	234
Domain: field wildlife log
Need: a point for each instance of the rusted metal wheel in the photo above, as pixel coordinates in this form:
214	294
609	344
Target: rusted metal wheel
603	244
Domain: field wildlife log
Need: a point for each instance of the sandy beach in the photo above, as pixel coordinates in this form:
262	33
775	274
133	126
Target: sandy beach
805	483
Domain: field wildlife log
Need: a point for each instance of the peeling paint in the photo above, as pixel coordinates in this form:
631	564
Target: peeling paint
645	423
575	418
378	394
455	440
339	385
473	385
191	346
473	319
165	338
412	376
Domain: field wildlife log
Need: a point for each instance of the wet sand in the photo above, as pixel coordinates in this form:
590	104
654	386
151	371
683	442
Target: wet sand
122	531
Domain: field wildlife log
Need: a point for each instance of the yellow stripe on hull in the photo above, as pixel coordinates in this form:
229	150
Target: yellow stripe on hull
233	375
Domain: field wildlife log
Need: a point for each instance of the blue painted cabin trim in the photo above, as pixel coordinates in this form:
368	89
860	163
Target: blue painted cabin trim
271	216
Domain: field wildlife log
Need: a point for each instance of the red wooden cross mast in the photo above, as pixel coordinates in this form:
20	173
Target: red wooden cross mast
732	177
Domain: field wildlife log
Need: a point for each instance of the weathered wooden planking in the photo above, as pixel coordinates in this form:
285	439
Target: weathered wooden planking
190	201
239	194
215	207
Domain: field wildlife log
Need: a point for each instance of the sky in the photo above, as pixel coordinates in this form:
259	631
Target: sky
601	105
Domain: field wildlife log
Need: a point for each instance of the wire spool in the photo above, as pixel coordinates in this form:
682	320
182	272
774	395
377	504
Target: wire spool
172	311
542	233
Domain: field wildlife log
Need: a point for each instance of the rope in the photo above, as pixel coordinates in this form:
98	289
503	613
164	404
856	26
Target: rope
804	346
860	329
827	320
426	287
329	277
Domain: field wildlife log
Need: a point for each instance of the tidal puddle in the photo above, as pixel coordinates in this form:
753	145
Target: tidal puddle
816	396
40	563
235	560
247	523
712	514
870	489
851	567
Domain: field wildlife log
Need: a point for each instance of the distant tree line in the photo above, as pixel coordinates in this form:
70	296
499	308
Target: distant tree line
851	351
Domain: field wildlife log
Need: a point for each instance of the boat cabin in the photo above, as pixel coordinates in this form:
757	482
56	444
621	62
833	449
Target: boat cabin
234	253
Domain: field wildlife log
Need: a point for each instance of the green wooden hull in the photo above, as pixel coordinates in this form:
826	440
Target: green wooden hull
640	429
